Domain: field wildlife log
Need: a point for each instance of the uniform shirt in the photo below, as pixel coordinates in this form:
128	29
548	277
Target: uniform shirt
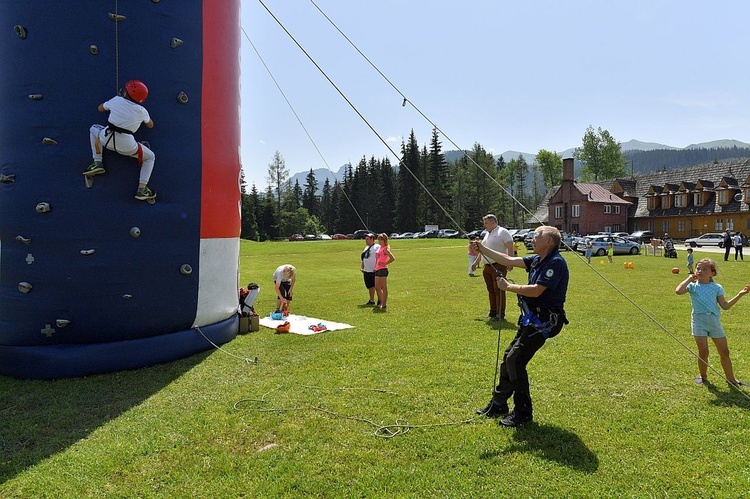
368	257
551	272
703	297
126	114
496	239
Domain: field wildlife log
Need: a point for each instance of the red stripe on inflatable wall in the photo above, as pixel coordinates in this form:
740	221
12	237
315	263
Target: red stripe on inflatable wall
220	123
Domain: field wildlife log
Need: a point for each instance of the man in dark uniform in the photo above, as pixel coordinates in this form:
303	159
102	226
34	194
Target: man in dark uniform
542	317
727	244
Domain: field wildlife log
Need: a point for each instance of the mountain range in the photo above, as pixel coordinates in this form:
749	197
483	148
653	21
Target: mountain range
321	174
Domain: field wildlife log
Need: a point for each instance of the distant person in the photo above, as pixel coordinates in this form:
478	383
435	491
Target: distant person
610	252
367	267
706	297
690	260
284	279
383	258
587	251
498	239
542	317
472	257
728	242
737	242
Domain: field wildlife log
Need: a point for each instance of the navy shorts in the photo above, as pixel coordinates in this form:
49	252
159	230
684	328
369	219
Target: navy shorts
381	273
369	279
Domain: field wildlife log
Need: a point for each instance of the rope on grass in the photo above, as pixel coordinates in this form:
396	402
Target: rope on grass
399	428
247	360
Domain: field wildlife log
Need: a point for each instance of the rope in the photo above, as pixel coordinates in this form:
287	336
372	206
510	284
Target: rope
247	361
356	110
303	127
411	103
398	428
117	51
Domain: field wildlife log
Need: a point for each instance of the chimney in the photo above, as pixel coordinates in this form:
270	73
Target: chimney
568	169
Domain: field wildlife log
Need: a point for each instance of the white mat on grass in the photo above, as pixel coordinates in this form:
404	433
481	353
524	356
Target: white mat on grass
299	324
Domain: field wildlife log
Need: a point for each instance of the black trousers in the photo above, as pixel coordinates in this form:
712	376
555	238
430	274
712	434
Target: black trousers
514	379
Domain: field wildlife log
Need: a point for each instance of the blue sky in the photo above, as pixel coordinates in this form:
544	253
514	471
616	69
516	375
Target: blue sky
516	76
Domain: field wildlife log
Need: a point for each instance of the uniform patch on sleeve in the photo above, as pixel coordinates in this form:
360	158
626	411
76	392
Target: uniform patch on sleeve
549	273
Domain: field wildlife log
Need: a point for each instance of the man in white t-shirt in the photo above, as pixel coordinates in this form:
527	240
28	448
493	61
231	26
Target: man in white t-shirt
499	239
125	117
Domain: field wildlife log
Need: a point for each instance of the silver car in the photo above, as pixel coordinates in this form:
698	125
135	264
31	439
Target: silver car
600	245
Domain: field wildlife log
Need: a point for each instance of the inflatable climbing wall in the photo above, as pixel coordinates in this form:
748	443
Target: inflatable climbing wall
91	279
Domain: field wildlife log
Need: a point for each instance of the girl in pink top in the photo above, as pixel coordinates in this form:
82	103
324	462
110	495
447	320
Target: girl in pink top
383	257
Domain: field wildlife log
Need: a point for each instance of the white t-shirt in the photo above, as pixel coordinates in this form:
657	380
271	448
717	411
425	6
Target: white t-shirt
126	114
369	260
497	239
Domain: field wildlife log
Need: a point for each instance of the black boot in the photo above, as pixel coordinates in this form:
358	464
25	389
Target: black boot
493	410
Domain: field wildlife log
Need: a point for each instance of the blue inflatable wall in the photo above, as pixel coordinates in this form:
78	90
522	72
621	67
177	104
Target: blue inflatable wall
91	279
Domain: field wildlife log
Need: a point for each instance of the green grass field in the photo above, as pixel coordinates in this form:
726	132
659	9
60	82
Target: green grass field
616	410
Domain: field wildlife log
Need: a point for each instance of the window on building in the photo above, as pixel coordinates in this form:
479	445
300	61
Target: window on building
576	210
608	228
730	223
616	228
723	196
653	203
719	224
665	226
680	226
650	226
607	208
558	211
680	201
617	210
698	198
666	202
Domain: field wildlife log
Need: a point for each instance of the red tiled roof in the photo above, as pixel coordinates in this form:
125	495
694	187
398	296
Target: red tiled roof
598	194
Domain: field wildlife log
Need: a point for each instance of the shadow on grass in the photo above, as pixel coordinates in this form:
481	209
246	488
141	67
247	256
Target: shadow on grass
551	443
42	418
730	398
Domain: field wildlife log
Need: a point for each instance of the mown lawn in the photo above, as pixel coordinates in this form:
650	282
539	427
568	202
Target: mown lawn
616	409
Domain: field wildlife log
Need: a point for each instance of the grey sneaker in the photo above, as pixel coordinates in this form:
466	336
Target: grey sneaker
144	193
96	168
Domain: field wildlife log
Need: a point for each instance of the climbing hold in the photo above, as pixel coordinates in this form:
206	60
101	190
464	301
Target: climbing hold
135	232
88	251
35	96
7	179
20	31
62	322
116	17
182	98
186	269
43	208
24	287
94	50
176	42
49	142
24	240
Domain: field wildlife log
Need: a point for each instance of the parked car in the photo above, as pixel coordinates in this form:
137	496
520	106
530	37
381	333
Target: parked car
600	245
310	237
476	234
406	235
338	236
707	239
324	237
296	237
641	236
360	234
521	234
430	233
448	233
